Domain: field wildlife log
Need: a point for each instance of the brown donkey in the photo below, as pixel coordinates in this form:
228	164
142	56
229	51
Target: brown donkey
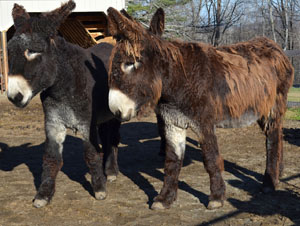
197	86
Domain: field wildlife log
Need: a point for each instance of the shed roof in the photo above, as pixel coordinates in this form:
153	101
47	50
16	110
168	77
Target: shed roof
32	6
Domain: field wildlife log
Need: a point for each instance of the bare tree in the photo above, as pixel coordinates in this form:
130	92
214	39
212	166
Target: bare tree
221	16
195	11
272	19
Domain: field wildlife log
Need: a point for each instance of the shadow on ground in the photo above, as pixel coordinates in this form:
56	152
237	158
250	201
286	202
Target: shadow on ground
134	159
292	135
31	155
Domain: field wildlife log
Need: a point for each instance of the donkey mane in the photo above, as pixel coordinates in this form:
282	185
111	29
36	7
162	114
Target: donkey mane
133	45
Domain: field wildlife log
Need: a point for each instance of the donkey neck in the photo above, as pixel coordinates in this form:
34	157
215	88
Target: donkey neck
186	80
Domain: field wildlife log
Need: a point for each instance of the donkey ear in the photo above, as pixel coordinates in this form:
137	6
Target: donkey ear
124	12
121	26
157	24
60	14
20	16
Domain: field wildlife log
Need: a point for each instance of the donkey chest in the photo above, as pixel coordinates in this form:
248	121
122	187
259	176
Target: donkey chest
174	116
70	118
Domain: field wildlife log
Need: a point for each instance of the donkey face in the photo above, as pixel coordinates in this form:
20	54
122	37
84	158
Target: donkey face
133	80
31	53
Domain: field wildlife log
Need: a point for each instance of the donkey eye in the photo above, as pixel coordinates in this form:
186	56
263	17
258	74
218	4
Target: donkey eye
127	64
128	67
31	55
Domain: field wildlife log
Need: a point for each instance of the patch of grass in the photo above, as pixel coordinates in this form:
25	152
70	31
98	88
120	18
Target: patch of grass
292	114
294	94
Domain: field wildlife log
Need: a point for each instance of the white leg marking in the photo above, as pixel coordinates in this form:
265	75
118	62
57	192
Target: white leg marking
56	133
38	203
17	84
111	178
100	195
176	136
119	101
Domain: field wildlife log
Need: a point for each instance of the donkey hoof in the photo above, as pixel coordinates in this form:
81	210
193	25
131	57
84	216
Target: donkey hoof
111	178
158	206
100	195
214	204
38	203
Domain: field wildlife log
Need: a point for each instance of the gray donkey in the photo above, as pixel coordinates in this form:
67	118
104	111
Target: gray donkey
72	83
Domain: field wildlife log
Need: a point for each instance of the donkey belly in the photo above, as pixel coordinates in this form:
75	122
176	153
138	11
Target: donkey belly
245	120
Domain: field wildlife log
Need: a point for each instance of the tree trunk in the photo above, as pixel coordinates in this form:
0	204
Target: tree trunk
284	9
272	20
218	24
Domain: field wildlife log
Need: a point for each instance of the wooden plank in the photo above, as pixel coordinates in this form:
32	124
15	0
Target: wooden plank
73	31
99	19
95	26
108	39
95	35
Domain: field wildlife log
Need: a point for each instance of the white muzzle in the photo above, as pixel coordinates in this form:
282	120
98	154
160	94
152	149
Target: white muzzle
121	105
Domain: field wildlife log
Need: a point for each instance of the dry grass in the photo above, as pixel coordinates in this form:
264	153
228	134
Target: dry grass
294	94
293	113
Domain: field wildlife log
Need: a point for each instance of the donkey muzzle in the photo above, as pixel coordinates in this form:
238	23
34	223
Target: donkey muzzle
19	91
121	105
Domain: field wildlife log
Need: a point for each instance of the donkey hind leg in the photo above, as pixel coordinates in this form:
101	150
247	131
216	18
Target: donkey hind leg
52	163
175	148
110	138
95	163
214	165
274	147
161	132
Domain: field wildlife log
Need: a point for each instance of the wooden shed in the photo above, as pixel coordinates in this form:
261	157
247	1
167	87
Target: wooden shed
86	26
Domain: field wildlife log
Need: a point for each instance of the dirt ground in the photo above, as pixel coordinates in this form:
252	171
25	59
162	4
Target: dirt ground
141	177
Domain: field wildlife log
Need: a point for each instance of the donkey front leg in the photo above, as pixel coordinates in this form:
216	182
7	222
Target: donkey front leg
52	163
110	138
214	165
95	164
175	148
161	132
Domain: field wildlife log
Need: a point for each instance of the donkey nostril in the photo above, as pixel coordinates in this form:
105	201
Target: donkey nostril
118	114
18	97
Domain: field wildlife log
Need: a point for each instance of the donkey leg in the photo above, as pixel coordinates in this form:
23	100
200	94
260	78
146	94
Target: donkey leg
52	163
274	146
94	162
161	132
214	165
110	138
175	148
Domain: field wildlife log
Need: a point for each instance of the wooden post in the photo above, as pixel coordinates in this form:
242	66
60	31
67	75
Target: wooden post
4	65
1	73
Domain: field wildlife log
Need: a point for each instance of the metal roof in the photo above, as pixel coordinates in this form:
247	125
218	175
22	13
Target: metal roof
32	6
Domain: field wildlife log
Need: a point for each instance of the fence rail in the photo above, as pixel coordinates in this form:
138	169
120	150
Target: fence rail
293	104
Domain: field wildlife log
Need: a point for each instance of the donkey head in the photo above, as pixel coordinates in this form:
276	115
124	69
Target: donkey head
134	81
31	52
